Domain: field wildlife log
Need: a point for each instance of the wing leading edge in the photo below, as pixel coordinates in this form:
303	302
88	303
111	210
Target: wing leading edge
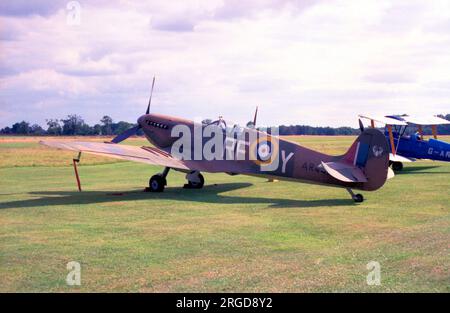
148	155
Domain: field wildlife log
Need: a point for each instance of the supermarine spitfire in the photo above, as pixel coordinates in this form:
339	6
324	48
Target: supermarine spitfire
218	146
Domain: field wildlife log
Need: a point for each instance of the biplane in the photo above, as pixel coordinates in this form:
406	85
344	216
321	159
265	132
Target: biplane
408	148
240	150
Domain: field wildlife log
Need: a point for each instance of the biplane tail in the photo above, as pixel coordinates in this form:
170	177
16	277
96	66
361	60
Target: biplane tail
366	163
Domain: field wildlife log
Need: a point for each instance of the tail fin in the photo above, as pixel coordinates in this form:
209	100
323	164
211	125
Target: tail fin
370	153
366	163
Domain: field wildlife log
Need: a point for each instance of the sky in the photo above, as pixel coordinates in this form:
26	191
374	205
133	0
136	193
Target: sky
318	63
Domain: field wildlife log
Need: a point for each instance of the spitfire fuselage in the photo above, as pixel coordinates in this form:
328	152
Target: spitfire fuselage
289	161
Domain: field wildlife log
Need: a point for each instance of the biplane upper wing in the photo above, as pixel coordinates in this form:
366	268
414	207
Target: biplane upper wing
425	120
149	155
384	120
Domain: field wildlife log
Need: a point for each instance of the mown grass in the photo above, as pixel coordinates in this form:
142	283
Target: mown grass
237	234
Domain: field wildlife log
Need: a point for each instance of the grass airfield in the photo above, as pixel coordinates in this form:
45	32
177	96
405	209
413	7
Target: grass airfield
239	233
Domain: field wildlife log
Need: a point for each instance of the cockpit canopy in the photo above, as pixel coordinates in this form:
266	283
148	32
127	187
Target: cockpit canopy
227	126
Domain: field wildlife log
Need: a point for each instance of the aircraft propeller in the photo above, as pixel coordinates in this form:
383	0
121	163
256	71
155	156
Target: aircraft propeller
150	100
361	125
256	115
128	133
252	124
133	131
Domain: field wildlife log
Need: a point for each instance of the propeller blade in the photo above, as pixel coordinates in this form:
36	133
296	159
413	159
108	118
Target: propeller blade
150	100
129	132
256	115
361	125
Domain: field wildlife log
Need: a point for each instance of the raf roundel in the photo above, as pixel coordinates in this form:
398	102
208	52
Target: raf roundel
263	150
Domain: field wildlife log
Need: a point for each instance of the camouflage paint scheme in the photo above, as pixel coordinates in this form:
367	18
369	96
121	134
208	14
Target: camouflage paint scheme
363	167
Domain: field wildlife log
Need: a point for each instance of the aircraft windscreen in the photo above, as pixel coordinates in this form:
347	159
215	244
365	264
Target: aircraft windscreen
227	125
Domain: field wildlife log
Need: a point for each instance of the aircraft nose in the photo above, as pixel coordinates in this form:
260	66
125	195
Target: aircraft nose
141	120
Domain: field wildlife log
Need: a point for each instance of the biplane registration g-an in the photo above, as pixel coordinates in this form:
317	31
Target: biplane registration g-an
408	148
221	146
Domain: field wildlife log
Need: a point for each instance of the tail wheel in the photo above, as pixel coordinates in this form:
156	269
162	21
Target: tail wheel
397	166
356	197
157	183
196	185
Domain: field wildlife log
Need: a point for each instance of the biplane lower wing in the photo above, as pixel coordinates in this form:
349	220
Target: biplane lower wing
344	172
148	155
399	158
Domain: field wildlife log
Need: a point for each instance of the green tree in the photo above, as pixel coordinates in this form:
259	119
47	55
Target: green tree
6	130
106	125
54	128
36	129
73	125
22	128
120	127
97	129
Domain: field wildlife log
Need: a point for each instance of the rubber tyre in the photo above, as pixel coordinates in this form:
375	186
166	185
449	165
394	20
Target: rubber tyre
358	198
397	166
199	185
157	183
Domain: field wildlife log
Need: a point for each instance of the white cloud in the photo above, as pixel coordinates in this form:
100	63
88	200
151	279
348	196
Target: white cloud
318	63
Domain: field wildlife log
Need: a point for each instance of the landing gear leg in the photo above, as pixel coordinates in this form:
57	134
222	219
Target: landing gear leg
158	182
356	197
195	180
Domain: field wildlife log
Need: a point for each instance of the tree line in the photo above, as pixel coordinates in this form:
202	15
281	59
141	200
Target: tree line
310	130
74	125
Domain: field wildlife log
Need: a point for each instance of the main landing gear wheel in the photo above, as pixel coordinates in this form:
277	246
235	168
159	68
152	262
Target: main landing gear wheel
157	183
195	181
397	166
